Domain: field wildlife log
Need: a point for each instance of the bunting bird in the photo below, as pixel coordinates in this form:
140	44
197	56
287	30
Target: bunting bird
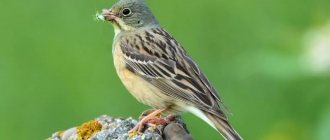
158	72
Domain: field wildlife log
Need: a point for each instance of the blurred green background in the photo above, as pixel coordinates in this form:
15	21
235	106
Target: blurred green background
269	60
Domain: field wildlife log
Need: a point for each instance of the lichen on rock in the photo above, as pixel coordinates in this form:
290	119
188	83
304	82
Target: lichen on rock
107	128
87	130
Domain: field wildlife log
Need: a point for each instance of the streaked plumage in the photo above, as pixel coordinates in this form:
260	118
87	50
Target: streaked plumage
157	70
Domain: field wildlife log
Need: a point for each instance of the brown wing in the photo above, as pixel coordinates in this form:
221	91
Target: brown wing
158	58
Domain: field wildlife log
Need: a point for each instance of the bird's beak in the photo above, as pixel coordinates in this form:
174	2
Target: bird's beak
108	14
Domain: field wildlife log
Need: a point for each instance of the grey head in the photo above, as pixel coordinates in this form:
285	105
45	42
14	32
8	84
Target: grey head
128	15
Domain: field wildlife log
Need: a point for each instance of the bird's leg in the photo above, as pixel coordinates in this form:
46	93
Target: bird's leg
162	121
145	120
146	113
157	121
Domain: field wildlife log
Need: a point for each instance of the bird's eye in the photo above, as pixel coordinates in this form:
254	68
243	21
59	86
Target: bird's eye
127	12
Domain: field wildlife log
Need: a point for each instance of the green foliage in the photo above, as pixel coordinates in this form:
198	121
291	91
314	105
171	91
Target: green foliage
56	68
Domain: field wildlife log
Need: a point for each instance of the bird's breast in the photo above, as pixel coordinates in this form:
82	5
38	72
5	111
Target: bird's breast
142	90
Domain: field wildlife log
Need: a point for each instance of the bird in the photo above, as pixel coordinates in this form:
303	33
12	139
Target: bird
158	72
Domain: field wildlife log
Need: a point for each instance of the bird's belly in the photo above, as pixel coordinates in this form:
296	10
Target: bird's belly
143	91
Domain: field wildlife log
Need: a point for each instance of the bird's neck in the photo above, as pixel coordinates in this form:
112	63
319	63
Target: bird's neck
135	30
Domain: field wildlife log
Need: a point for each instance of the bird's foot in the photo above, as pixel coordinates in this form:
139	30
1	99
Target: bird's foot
158	121
171	118
151	117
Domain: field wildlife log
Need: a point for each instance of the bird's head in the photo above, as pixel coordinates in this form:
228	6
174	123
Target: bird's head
129	15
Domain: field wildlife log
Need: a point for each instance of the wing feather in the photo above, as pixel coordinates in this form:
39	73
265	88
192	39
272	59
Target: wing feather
157	57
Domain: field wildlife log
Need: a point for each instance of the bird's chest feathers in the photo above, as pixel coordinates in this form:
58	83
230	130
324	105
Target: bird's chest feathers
118	57
138	87
127	77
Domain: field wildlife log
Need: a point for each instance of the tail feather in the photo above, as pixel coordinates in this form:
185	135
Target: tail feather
223	127
218	121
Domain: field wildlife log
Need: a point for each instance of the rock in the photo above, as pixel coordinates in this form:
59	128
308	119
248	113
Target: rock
107	128
175	131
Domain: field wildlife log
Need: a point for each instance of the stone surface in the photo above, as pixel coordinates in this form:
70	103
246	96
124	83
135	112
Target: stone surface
107	128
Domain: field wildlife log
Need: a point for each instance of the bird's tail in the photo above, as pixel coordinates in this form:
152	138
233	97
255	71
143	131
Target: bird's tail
217	122
223	127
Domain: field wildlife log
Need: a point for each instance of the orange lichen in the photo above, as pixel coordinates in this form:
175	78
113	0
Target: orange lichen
86	130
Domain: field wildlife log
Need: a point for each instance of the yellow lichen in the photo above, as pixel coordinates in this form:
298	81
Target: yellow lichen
152	129
59	133
86	130
132	134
